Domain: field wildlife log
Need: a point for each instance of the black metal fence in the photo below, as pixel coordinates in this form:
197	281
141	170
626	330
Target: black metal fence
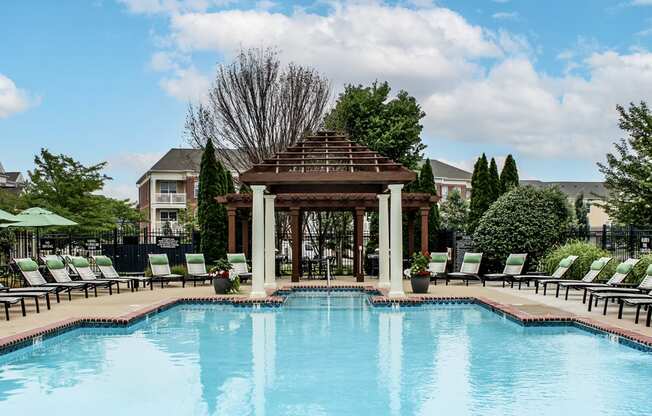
128	247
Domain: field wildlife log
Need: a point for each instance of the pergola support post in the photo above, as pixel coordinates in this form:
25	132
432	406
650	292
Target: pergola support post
231	213
270	243
244	221
383	241
295	226
396	241
258	242
358	263
425	213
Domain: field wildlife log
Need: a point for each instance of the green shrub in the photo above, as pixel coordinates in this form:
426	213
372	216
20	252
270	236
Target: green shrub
639	270
179	269
587	253
524	220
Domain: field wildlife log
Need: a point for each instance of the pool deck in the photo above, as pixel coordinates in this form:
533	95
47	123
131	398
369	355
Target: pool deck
127	305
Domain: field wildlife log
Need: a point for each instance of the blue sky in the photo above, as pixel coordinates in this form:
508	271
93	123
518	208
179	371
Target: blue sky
110	80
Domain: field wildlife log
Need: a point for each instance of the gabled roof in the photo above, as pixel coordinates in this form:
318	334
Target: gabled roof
444	170
179	160
590	190
327	157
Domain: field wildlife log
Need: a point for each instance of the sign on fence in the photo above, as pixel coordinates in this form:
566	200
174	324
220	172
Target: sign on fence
168	242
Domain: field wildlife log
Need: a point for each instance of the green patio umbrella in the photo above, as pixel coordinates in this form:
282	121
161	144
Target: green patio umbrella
38	218
7	218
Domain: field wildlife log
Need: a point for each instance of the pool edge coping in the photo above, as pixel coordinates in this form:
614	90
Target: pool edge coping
377	298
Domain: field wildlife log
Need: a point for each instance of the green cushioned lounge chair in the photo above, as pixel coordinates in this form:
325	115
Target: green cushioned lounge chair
107	271
562	269
239	265
641	291
513	267
437	265
82	267
595	269
196	266
160	267
28	268
59	273
623	270
469	270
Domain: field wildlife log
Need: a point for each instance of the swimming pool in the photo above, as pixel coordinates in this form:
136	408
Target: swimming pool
326	355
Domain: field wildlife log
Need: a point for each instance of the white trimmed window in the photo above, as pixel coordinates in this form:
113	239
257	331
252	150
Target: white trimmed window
168	187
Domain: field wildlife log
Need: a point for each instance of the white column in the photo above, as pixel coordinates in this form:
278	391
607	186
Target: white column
270	243
258	242
396	242
383	241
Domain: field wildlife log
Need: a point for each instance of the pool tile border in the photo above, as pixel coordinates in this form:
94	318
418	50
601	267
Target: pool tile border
378	298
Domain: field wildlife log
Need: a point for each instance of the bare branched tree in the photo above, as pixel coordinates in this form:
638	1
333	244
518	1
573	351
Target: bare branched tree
256	108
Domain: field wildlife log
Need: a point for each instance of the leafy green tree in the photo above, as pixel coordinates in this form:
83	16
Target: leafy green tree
628	171
509	175
211	216
480	192
454	212
494	181
390	127
427	185
65	186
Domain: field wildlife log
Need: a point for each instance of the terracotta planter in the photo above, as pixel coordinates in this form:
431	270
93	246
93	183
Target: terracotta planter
221	285
420	283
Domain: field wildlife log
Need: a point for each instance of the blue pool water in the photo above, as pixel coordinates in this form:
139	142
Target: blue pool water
321	355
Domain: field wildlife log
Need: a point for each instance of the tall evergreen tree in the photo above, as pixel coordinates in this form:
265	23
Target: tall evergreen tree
495	190
582	215
454	212
211	215
509	175
427	185
480	192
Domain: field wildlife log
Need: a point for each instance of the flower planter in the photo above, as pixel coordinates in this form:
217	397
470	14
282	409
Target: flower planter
420	283
221	285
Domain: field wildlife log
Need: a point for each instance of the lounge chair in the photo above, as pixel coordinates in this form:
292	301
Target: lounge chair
437	265
29	293
29	270
107	271
11	300
59	273
622	271
562	269
239	265
468	270
82	268
160	267
638	303
196	266
594	271
513	267
617	293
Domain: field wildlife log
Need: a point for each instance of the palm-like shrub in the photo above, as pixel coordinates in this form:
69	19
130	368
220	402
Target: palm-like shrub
524	220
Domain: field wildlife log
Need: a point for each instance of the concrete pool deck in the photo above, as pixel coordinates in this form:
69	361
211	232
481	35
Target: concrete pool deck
127	304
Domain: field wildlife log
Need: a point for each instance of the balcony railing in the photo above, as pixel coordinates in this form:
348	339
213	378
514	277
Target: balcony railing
177	198
161	226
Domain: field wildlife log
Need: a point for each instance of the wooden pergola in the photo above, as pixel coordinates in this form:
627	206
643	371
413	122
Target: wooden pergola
323	172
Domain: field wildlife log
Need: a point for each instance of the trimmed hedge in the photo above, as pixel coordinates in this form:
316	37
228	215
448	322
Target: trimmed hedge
524	220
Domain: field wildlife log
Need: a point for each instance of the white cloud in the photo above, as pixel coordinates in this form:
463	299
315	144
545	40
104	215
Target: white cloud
543	116
120	191
505	15
187	85
135	162
641	3
12	99
475	85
